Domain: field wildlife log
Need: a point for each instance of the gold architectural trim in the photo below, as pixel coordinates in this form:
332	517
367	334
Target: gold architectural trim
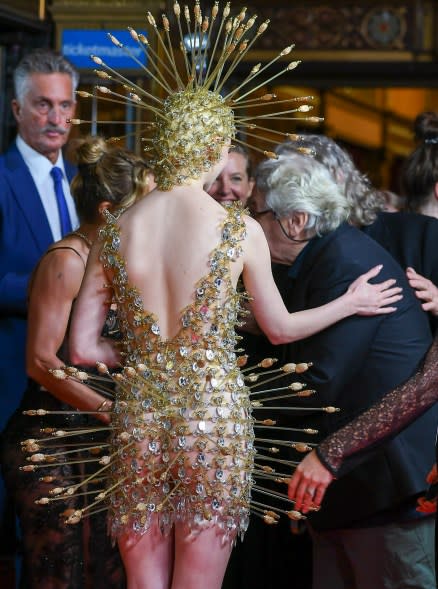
122	4
100	13
344	56
42	9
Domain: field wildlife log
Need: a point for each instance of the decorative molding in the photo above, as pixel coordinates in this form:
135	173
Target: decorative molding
103	11
142	5
318	25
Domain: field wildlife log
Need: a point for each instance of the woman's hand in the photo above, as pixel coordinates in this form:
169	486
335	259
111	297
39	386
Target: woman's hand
373	299
425	290
309	483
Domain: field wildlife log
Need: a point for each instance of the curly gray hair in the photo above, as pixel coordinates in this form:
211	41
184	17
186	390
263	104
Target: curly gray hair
365	201
297	183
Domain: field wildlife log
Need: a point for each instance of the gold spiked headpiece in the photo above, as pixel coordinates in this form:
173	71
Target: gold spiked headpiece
197	116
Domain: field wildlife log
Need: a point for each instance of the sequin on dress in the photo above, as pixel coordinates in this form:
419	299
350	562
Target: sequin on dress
182	442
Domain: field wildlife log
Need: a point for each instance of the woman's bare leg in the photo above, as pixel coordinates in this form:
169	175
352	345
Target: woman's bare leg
148	559
201	560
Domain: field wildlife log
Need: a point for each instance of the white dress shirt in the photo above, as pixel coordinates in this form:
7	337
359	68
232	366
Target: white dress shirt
39	168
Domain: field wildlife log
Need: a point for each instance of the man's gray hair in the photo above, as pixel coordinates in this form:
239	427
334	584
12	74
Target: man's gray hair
365	201
42	61
298	183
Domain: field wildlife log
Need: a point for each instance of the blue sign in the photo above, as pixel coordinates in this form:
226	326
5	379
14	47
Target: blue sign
79	44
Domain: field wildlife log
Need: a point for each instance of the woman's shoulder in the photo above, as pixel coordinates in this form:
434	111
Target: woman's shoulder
60	270
71	247
66	256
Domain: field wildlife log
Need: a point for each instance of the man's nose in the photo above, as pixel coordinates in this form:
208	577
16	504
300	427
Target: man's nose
54	115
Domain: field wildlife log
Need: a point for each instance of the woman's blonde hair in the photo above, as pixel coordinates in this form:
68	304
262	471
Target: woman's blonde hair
106	173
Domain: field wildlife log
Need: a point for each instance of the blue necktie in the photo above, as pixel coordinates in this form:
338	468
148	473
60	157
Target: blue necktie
64	217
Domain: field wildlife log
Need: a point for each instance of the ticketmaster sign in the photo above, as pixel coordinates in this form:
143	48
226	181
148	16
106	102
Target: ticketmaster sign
79	44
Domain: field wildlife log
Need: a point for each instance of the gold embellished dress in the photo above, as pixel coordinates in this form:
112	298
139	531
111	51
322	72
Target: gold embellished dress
182	441
181	444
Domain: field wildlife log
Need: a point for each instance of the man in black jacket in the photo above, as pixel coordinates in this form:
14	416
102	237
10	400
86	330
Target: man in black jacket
368	533
409	237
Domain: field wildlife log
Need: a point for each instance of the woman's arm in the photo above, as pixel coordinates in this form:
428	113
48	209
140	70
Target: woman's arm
395	411
55	286
87	346
278	324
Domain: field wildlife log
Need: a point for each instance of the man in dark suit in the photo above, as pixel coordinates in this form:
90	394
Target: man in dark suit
367	533
30	221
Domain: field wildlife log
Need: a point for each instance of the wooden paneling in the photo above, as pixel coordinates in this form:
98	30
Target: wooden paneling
28	8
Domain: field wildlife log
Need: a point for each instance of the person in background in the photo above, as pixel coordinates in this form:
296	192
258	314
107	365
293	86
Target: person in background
420	187
56	555
36	209
420	169
369	519
236	180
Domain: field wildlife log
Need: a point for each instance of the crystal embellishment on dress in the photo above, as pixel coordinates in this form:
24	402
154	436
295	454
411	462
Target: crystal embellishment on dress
175	433
175	429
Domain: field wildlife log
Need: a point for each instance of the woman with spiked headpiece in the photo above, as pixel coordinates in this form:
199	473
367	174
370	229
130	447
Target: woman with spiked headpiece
182	461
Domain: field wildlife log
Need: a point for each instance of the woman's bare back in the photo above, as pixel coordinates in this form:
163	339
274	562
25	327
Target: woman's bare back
175	232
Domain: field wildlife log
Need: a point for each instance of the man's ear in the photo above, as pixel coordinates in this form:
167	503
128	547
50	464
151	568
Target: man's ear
296	224
16	109
435	191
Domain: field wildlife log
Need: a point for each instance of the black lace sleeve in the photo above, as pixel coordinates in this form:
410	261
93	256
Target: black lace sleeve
386	418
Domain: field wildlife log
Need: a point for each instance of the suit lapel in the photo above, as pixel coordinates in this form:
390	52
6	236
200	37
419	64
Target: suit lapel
27	198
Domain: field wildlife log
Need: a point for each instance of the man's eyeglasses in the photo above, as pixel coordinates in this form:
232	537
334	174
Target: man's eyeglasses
257	214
